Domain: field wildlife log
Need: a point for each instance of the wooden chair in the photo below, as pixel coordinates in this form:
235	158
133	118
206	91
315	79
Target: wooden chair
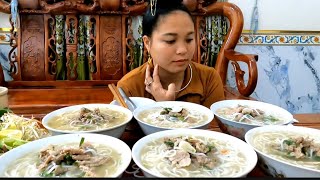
35	58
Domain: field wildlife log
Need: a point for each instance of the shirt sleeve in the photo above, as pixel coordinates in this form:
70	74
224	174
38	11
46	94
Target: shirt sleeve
214	91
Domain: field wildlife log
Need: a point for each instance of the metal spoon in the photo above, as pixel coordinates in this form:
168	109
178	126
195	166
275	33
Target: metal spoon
127	99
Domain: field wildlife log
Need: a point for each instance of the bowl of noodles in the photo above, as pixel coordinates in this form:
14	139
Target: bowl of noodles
68	155
164	115
94	118
193	153
287	151
138	101
236	117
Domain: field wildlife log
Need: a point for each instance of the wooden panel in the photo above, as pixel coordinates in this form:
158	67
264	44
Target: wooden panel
32	48
38	102
49	48
110	47
71	33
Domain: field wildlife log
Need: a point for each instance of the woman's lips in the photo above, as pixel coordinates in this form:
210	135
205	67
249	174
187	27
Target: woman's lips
181	60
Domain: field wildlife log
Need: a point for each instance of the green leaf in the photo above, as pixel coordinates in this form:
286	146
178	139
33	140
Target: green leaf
169	143
289	142
4	110
81	141
68	159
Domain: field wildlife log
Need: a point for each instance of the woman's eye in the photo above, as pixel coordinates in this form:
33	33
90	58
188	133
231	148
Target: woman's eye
170	42
189	40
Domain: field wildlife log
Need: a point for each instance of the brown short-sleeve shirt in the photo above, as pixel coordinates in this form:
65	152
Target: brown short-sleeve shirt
205	87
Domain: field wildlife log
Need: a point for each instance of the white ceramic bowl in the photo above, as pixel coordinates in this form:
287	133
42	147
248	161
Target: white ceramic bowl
234	143
35	146
148	128
280	168
115	131
138	101
238	129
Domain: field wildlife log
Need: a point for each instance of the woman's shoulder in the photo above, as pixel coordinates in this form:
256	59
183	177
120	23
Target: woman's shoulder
201	68
135	74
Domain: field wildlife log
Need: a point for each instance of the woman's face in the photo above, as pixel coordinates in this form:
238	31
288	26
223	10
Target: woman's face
172	42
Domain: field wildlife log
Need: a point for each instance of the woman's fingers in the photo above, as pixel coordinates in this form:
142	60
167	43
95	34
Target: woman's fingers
154	86
148	79
155	74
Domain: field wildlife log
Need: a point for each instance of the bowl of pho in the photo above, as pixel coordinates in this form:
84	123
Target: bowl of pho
94	118
193	153
287	151
164	115
138	101
236	117
68	155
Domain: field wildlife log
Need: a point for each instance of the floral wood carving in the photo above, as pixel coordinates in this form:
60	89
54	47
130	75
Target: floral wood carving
110	45
69	5
51	54
130	43
71	44
203	42
14	65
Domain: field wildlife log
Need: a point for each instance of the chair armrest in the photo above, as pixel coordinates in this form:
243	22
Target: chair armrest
2	80
251	61
5	7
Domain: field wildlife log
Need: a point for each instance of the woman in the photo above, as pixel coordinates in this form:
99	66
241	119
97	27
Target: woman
170	74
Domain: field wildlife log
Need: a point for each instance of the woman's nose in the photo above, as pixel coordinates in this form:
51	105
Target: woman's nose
182	48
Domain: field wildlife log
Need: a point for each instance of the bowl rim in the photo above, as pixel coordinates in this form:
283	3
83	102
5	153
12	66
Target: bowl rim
185	131
94	137
134	98
280	128
288	121
156	104
47	117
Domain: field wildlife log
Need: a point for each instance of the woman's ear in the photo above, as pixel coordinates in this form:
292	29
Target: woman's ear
146	42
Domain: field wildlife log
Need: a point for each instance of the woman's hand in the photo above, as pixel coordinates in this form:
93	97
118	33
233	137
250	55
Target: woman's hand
154	86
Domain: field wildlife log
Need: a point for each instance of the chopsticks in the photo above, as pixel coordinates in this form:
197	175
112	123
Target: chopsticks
117	95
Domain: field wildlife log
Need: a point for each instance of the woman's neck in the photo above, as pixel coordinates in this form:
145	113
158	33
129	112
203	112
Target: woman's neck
168	78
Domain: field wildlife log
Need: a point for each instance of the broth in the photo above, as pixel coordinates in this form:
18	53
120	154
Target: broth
87	119
29	165
176	117
210	158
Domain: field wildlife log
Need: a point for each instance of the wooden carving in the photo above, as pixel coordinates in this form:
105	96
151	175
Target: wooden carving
32	51
69	6
50	47
92	49
203	42
134	7
4	7
12	56
71	32
110	45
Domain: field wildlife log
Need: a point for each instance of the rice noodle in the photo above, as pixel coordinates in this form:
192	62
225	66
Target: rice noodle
153	157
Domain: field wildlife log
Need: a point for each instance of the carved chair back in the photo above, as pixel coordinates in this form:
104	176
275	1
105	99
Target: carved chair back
93	43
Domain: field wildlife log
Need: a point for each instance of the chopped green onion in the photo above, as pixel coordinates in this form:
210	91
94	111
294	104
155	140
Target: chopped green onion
81	141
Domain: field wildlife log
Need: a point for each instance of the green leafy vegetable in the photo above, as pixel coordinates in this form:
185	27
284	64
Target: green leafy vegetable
81	141
169	143
289	142
271	118
46	174
68	159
